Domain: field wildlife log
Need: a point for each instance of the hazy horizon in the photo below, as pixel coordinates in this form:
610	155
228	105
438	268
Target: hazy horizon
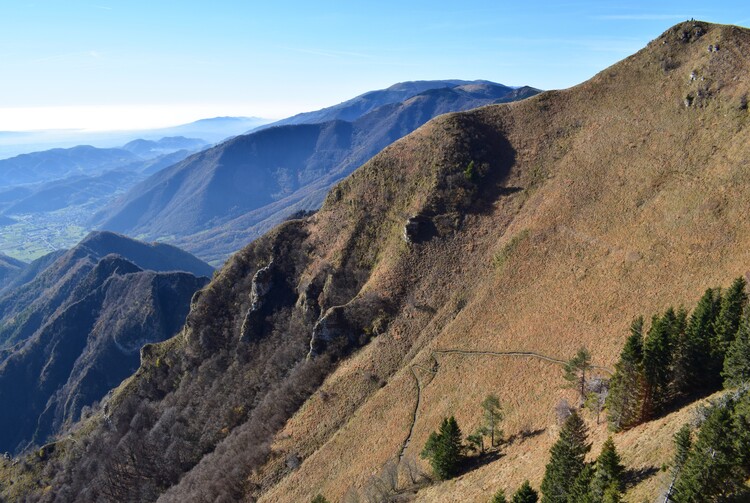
112	66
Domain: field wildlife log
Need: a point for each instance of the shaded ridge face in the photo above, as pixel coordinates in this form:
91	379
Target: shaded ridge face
10	268
470	257
217	201
75	331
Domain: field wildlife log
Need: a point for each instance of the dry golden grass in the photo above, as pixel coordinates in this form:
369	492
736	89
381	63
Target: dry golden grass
627	202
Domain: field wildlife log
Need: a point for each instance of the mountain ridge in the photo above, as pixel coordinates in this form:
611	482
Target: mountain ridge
229	195
74	328
536	226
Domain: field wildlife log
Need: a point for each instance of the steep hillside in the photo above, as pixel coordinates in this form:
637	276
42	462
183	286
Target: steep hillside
9	269
48	286
215	202
73	326
87	347
471	257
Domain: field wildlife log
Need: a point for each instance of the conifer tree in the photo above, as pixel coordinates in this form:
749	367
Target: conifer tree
727	324
319	499
737	362
525	494
566	460
683	443
693	355
580	492
710	471
577	370
612	495
608	473
492	415
657	363
499	497
444	449
626	388
741	428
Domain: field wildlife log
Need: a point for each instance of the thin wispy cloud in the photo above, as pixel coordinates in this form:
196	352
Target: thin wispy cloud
595	44
67	56
331	54
639	17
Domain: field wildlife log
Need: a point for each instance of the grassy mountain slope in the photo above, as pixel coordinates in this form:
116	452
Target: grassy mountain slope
630	201
533	227
215	202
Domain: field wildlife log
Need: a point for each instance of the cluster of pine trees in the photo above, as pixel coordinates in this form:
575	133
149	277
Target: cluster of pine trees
569	479
681	355
715	466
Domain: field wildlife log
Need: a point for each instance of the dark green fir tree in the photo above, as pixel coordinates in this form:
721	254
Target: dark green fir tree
525	494
737	361
710	472
608	473
627	386
566	460
499	497
444	449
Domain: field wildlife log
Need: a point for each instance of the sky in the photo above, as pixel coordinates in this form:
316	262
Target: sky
134	64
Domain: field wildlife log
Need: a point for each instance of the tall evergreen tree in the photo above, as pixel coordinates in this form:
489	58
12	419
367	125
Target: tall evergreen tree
683	442
612	495
608	473
577	370
492	415
711	471
444	449
694	352
499	497
626	388
525	494
741	427
727	324
657	363
580	492
566	460
737	362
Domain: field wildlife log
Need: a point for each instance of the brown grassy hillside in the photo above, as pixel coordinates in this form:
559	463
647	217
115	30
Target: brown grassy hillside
621	199
584	208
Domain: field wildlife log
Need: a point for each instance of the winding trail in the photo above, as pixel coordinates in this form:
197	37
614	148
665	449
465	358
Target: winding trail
465	352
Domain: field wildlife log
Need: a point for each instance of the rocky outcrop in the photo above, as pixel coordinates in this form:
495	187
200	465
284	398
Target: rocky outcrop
261	286
418	228
330	327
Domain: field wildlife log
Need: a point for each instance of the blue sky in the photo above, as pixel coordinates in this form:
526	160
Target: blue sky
106	64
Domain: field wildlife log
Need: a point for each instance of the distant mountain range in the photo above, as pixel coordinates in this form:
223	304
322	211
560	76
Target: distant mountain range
73	327
211	130
218	200
62	163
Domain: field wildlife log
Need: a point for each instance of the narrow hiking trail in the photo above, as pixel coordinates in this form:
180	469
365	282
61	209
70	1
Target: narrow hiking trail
470	353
